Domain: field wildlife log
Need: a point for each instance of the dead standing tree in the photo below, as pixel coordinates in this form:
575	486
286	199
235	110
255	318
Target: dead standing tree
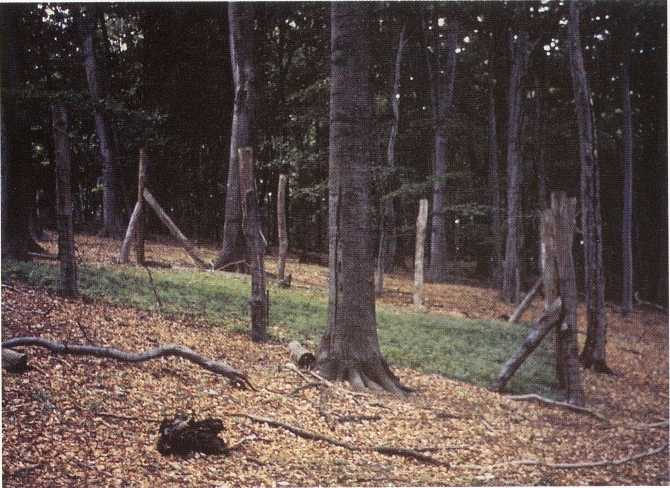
251	225
67	283
558	228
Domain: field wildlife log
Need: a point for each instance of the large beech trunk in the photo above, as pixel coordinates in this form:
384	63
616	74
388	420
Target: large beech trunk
511	269
349	349
443	89
97	87
594	352
67	282
241	27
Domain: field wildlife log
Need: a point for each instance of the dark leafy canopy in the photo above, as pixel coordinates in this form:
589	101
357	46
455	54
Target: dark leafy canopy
170	88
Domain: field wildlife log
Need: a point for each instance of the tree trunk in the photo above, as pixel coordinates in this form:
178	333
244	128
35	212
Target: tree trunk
494	187
97	87
443	88
421	222
626	237
511	270
241	26
139	234
131	232
16	167
388	238
282	235
594	352
251	223
67	283
349	349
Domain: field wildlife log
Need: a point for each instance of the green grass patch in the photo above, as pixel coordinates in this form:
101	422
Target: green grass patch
467	350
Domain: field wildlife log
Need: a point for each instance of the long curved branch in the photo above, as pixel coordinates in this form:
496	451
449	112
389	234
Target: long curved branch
167	350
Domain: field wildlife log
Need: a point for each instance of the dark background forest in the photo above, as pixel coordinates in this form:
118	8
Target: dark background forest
167	86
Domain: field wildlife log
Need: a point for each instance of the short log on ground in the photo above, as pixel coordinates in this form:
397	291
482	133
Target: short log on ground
14	361
301	356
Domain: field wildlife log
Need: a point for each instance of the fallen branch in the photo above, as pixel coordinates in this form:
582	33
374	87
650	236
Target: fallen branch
593	464
555	403
48	257
305	434
218	367
525	303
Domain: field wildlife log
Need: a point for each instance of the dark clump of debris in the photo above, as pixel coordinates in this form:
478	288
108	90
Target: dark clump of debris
184	436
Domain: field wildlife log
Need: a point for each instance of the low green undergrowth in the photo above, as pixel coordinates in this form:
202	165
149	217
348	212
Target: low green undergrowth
467	350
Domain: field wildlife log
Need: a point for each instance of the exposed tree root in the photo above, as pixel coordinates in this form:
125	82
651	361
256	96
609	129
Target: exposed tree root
372	376
554	403
218	367
593	464
305	434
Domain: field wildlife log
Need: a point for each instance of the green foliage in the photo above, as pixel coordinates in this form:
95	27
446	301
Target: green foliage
466	350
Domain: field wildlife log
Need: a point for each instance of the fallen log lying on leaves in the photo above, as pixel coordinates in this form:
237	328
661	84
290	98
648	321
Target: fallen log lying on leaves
218	367
301	356
13	361
183	436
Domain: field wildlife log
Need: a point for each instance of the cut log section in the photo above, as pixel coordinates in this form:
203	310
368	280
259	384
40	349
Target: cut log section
301	356
13	361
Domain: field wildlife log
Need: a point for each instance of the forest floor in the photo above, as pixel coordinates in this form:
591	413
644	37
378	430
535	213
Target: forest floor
75	421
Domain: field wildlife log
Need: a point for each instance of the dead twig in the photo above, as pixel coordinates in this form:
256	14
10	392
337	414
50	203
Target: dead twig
305	434
555	403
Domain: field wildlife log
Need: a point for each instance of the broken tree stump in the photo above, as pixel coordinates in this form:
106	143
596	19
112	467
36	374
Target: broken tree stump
301	356
183	436
174	230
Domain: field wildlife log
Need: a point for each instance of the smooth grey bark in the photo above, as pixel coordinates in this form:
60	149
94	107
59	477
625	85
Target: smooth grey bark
511	268
97	87
241	27
443	97
421	222
388	239
140	231
67	281
627	225
595	348
349	348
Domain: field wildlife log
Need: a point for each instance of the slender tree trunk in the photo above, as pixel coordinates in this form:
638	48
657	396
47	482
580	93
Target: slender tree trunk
97	87
494	188
251	224
282	234
443	88
594	352
349	349
139	235
421	222
67	283
511	270
627	227
540	128
241	27
388	238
